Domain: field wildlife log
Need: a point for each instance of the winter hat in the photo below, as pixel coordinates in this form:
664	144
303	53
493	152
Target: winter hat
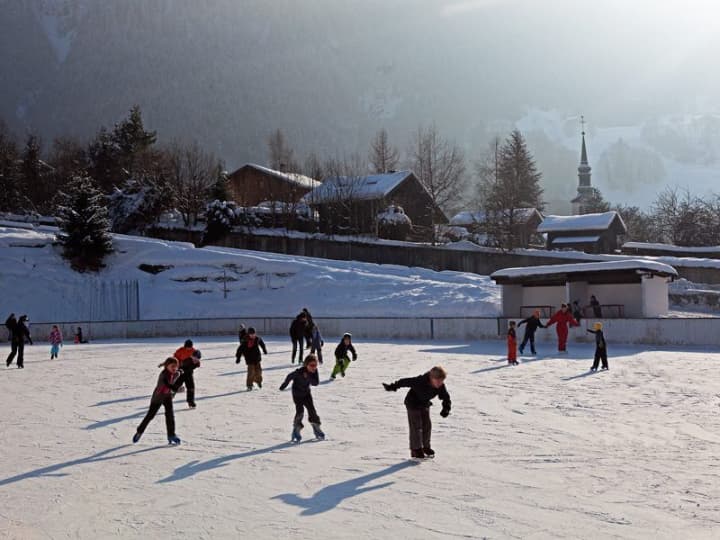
242	327
347	334
188	343
251	330
597	326
197	354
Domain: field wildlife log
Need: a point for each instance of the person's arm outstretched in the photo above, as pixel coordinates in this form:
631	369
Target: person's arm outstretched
401	383
289	378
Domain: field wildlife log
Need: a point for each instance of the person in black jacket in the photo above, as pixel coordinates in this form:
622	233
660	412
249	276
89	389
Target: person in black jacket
308	327
532	324
169	381
342	359
242	333
20	334
10	323
596	307
188	366
600	347
302	379
250	348
417	401
297	335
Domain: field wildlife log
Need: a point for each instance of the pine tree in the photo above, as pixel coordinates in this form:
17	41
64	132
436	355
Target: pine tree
84	225
594	203
132	139
31	172
11	197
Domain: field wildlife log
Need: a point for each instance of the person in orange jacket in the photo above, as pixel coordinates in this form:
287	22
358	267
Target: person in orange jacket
512	345
563	319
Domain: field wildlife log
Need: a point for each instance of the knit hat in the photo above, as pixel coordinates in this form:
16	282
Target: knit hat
188	343
251	330
597	326
347	335
197	354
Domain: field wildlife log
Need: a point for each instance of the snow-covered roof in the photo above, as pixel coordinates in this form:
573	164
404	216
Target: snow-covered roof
463	219
294	178
640	266
671	247
575	239
586	222
374	186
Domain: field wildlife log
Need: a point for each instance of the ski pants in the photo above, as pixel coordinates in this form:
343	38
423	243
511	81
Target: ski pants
254	374
562	334
420	427
529	336
13	352
512	349
341	364
298	344
55	350
166	401
600	354
302	403
19	349
189	381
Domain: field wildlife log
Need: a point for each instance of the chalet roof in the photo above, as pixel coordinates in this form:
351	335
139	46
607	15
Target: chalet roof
464	219
565	271
375	186
586	222
293	178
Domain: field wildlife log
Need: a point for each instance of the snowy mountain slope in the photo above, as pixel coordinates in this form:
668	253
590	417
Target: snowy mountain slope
194	282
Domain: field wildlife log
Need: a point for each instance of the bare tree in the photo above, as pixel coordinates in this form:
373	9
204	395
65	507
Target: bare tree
192	175
684	219
440	167
280	154
383	156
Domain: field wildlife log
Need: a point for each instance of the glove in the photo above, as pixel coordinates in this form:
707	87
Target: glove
354	358
282	387
237	360
389	387
322	343
445	413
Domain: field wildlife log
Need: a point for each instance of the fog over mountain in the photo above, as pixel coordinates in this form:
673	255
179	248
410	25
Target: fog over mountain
331	72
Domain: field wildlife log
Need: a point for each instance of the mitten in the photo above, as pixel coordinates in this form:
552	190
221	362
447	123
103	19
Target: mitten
390	387
283	387
445	413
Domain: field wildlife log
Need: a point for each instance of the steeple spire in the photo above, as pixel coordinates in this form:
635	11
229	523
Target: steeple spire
584	189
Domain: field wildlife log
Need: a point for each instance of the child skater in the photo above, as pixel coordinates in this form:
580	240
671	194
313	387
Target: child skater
600	347
342	360
302	379
55	342
317	342
417	401
250	347
531	326
512	345
169	381
188	366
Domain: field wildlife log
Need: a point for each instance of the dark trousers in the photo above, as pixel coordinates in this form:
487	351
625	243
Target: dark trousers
529	336
189	387
298	344
300	405
420	427
155	404
600	354
19	349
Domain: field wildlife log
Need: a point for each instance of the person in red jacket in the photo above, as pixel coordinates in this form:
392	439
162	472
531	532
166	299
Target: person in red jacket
512	345
563	319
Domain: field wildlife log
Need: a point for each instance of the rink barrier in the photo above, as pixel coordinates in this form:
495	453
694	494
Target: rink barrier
671	331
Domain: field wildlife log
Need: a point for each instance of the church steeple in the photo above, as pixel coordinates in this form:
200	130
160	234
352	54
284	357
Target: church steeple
584	190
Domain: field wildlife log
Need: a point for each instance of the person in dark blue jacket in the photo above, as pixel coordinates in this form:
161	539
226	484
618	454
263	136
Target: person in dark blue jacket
302	379
417	401
342	356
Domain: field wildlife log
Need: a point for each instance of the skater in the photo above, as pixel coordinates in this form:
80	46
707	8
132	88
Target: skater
308	327
10	323
317	342
531	326
169	381
595	305
577	311
417	401
19	335
562	318
250	348
302	379
242	333
512	345
79	336
188	358
55	342
600	347
297	335
342	361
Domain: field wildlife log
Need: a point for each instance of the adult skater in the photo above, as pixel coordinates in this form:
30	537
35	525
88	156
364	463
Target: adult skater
11	325
297	335
19	336
342	355
562	319
417	402
600	347
302	379
250	348
169	381
79	336
308	327
188	358
531	325
595	305
55	341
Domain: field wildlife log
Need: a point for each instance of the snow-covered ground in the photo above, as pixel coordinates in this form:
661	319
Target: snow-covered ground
194	283
537	451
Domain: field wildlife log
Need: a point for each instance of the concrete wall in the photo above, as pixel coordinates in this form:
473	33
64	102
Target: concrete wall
655	296
626	294
695	332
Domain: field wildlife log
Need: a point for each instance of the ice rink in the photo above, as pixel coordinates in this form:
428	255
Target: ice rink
542	450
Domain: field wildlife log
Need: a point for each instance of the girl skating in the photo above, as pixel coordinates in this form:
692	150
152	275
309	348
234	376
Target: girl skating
317	342
169	381
342	359
512	345
563	319
417	401
302	379
55	342
600	347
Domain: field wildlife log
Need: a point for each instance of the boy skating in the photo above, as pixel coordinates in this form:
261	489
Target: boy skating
302	379
342	359
531	326
600	347
417	401
250	348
